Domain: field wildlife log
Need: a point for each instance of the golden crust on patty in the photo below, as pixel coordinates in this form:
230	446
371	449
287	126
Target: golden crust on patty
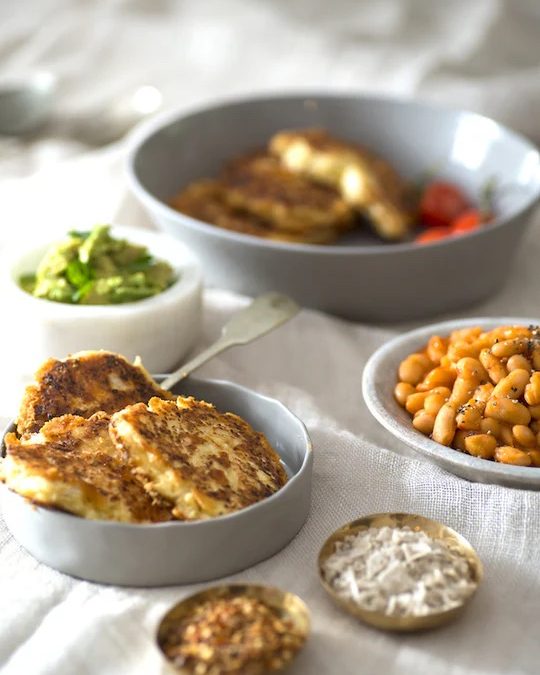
363	179
206	200
206	462
259	184
72	465
74	433
84	384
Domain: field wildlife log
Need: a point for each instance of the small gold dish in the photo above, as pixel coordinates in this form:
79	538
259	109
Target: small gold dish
433	529
288	606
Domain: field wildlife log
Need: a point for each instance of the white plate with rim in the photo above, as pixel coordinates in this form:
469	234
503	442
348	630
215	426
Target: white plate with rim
379	380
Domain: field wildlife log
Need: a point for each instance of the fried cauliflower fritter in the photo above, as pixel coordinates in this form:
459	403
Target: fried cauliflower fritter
207	463
364	180
260	185
72	465
84	384
206	200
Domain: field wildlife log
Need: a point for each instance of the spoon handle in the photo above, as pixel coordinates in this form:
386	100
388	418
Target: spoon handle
263	315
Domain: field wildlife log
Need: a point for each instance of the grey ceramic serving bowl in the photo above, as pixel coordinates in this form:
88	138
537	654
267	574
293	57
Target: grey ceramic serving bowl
360	277
179	552
379	380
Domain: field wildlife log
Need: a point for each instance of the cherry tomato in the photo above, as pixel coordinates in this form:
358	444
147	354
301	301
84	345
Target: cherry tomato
441	203
467	222
433	234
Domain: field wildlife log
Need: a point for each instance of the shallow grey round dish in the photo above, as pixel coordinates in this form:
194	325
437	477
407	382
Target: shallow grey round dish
178	552
360	277
379	380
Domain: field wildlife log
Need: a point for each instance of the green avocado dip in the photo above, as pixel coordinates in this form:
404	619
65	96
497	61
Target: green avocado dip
94	268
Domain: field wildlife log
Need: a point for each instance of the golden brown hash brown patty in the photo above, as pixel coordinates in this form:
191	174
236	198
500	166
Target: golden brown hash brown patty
206	462
83	384
363	179
206	200
259	184
72	465
86	436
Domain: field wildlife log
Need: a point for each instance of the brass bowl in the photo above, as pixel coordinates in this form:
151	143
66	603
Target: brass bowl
432	528
289	605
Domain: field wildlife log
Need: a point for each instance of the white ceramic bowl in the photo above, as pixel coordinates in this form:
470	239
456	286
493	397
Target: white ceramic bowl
179	552
160	329
378	384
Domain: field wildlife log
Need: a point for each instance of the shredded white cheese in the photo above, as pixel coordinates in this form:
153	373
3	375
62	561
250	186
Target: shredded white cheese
399	572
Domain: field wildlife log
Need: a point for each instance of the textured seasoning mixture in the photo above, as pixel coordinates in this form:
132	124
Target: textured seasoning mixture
233	636
399	572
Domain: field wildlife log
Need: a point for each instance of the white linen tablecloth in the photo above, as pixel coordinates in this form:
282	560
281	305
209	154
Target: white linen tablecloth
53	624
483	55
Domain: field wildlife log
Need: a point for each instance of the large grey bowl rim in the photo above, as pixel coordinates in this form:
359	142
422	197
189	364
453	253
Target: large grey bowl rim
378	382
92	528
149	128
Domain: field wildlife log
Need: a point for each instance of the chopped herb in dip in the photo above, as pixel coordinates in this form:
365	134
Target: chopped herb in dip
94	268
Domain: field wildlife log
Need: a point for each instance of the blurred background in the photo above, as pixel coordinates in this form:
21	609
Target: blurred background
93	56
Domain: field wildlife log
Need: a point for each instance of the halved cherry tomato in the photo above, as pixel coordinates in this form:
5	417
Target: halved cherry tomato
467	222
433	234
441	203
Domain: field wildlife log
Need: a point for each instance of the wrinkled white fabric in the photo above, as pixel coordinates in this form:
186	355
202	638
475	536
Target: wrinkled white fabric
53	624
482	54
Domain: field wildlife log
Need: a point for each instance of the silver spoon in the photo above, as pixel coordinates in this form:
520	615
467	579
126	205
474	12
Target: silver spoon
263	315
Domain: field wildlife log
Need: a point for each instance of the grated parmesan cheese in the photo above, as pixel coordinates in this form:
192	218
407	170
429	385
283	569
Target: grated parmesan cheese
399	572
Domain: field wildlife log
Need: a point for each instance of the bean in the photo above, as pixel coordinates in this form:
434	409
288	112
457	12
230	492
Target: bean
524	436
469	416
436	348
459	439
471	369
483	341
459	350
434	402
513	385
535	411
518	361
532	390
483	392
506	435
424	422
507	454
462	391
443	391
490	426
535	457
413	368
438	377
507	348
446	362
491	363
509	333
507	410
481	445
445	425
415	402
402	391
